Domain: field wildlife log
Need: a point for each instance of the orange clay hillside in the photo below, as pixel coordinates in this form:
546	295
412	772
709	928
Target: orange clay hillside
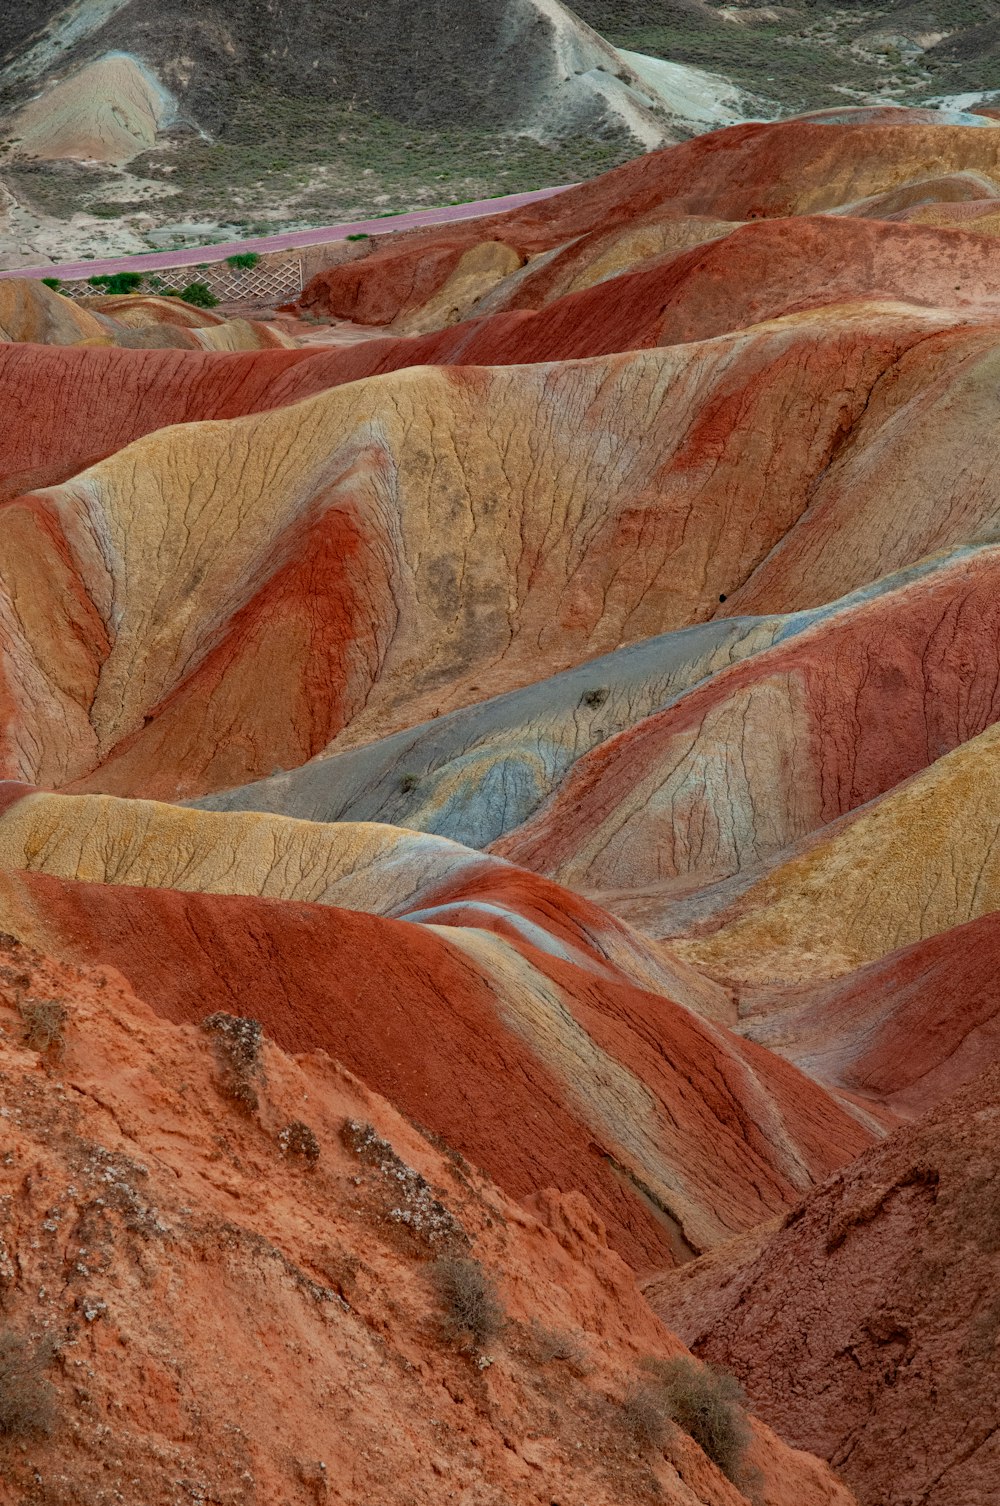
269	1305
552	720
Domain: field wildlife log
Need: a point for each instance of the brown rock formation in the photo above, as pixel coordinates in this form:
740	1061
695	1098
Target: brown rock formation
865	1324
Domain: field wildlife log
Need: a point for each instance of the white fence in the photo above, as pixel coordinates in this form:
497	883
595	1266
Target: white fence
269	282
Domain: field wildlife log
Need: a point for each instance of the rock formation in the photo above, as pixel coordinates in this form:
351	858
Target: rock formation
873	1304
567	721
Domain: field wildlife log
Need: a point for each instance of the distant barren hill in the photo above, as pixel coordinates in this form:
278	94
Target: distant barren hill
309	113
435	63
127	125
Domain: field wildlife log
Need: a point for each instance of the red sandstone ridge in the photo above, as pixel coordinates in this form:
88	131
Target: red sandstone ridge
677	1132
903	1031
745	172
241	1305
866	1322
864	695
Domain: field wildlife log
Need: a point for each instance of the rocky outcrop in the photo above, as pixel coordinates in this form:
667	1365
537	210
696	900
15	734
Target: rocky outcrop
871	1307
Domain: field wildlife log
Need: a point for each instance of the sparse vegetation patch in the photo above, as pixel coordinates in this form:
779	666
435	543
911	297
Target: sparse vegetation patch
470	1301
27	1398
43	1024
709	1405
408	1199
237	1044
298	1140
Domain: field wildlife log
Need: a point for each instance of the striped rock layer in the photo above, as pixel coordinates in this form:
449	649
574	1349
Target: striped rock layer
575	710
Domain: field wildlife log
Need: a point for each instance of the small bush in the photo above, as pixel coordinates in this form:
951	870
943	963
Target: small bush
199	295
471	1302
297	1139
115	284
237	1043
644	1415
27	1399
361	236
594	698
408	783
243	260
55	283
555	1345
709	1405
44	1022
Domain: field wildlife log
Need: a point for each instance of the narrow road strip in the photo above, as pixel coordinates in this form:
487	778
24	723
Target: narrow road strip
323	235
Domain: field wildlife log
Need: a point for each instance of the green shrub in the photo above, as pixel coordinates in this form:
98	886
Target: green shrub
200	295
243	260
116	284
361	236
55	283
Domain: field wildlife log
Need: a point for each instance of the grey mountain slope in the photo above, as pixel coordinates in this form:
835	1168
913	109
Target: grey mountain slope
479	772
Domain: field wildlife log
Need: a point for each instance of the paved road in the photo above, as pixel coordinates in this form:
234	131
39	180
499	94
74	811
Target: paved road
192	256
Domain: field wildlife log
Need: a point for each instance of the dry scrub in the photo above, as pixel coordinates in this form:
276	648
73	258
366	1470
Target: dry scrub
707	1404
297	1139
468	1295
44	1025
